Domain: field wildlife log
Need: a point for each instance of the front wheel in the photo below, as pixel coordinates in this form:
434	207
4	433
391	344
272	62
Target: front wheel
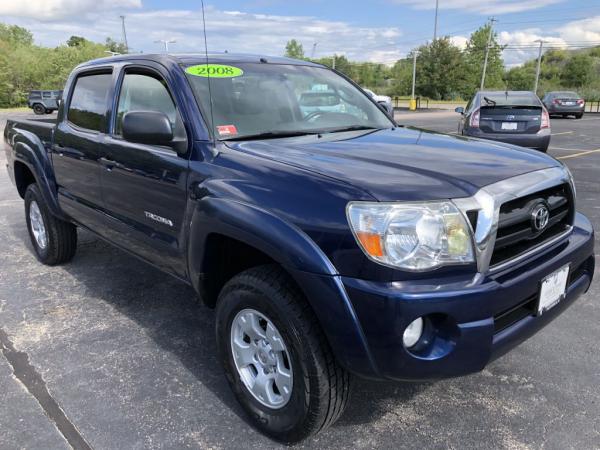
39	109
53	240
276	357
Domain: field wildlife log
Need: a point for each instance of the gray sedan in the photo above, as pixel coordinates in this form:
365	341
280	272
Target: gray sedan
564	103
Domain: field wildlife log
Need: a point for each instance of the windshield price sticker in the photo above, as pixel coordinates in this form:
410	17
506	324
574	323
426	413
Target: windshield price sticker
214	71
226	130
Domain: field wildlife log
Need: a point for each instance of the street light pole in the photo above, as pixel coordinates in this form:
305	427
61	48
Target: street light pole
166	43
437	4
539	63
124	34
487	52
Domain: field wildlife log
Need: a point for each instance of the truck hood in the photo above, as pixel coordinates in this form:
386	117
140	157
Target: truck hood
403	163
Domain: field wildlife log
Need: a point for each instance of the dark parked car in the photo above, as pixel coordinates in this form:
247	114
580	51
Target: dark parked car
564	103
332	244
44	102
515	117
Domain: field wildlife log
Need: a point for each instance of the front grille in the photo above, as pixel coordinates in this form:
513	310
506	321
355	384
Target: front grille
516	234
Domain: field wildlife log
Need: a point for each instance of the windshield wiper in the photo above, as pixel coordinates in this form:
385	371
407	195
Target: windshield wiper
270	135
350	128
489	101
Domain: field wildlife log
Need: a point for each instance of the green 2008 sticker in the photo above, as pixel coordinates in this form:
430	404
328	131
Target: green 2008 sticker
215	71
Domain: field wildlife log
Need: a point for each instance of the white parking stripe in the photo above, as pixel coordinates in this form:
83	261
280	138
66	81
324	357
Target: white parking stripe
563	132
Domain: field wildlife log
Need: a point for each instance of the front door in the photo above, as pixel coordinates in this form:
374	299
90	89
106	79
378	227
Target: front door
144	186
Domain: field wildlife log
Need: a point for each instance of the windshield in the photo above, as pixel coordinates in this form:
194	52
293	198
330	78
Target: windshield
503	99
254	99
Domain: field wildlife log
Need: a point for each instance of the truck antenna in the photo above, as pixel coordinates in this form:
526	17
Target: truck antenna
212	124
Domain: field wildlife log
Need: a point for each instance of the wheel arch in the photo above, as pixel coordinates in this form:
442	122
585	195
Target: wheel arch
32	164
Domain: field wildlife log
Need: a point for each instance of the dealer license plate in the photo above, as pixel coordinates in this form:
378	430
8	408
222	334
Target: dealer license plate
553	289
509	125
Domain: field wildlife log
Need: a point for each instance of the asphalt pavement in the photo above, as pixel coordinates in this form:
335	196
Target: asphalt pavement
127	355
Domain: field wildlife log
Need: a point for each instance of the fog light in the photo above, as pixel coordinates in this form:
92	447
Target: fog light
413	332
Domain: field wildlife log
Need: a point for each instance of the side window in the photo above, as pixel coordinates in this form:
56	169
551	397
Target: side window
144	92
88	102
46	94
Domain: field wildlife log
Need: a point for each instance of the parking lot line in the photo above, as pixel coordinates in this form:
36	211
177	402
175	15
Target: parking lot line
563	132
579	154
570	149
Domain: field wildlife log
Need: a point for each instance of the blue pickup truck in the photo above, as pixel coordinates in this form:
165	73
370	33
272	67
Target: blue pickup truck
332	243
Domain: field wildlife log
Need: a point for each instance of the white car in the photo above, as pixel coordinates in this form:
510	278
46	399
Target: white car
383	100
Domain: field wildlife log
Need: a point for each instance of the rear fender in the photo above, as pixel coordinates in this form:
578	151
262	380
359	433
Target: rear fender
29	150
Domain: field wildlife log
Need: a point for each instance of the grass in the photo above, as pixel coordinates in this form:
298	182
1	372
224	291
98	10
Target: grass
16	109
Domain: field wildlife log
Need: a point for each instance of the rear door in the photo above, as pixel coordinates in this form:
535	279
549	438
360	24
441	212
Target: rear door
144	186
76	145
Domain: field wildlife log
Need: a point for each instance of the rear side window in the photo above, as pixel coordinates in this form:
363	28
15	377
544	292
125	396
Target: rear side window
88	102
47	94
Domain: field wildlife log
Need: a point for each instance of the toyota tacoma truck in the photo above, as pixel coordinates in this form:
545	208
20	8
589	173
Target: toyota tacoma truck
332	243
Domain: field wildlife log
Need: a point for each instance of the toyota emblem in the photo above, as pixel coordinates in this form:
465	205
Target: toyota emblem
540	217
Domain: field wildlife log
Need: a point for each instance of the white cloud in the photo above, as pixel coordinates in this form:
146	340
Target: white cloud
577	33
497	7
57	9
233	31
459	41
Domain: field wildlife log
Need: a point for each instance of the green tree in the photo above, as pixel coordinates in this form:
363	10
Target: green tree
114	46
440	70
473	63
75	41
294	49
577	71
520	78
15	35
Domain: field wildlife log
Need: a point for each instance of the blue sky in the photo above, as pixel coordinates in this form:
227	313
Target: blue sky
379	30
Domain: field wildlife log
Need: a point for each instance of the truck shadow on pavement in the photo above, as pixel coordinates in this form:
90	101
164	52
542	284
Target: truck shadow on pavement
169	313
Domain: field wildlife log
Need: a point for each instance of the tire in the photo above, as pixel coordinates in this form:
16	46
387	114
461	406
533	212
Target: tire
39	109
56	242
320	387
578	116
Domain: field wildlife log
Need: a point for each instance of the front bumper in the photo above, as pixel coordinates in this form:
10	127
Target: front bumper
539	140
470	316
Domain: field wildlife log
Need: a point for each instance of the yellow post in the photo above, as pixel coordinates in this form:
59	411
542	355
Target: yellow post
412	105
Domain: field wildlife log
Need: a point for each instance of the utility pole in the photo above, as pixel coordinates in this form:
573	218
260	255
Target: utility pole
124	34
539	63
413	103
333	65
437	4
166	43
487	52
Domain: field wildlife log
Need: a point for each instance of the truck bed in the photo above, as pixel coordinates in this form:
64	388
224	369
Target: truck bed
41	127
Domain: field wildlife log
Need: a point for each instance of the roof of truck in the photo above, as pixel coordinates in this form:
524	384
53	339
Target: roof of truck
199	58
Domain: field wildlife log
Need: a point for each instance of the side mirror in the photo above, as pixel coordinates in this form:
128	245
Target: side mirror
147	127
459	110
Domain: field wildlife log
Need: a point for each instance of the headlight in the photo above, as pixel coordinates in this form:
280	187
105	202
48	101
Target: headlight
412	236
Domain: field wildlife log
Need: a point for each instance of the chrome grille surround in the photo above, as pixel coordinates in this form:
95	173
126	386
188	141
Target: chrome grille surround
488	200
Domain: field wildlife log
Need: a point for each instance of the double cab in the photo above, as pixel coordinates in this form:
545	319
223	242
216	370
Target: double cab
332	242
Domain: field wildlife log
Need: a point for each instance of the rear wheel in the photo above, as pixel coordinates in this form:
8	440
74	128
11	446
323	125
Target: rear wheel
578	116
276	357
53	240
39	109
